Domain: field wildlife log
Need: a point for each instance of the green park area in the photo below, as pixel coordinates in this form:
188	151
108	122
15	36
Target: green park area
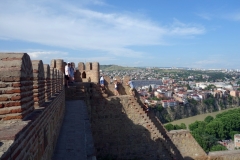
200	117
211	128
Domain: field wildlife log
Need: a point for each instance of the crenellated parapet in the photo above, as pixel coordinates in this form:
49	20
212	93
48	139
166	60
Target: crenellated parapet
57	81
59	64
88	72
47	82
16	86
38	83
123	89
52	79
32	105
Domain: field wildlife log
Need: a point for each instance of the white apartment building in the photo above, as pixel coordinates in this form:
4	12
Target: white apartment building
237	140
203	85
169	103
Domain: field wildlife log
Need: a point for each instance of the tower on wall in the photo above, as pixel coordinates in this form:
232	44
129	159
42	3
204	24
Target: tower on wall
88	72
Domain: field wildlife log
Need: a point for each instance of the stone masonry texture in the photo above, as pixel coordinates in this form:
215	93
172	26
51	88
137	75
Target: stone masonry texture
16	86
38	83
27	132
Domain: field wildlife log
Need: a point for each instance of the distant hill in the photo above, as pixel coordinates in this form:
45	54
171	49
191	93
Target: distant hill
115	67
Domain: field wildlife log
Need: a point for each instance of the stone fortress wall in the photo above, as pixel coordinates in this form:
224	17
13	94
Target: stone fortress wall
32	106
88	72
123	130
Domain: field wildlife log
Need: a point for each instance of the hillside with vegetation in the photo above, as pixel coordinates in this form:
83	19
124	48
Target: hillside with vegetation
208	132
193	107
115	68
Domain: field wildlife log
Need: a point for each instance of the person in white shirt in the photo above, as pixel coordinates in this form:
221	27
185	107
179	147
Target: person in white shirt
116	88
67	73
72	71
102	81
132	89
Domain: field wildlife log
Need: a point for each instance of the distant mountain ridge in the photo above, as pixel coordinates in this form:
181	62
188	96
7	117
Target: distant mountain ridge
115	67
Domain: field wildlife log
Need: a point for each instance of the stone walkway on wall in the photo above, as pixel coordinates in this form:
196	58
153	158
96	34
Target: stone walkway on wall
75	140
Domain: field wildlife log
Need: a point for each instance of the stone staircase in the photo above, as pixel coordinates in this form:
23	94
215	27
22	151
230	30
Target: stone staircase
153	124
165	149
157	130
164	132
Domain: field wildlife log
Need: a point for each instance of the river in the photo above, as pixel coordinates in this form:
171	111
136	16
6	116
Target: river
200	117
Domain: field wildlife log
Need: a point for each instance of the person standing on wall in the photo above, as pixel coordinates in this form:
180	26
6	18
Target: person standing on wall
72	71
131	90
102	81
116	87
67	73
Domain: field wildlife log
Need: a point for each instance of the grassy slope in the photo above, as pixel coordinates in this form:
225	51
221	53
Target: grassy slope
114	67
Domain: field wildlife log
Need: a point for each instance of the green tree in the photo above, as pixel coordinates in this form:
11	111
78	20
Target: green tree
209	87
193	126
192	101
177	127
209	101
238	83
150	89
188	87
218	147
198	125
232	133
229	99
209	131
183	126
216	128
159	108
155	98
209	141
208	119
169	127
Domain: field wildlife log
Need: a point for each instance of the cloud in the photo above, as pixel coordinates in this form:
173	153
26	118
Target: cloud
4	38
95	59
206	16
75	26
233	16
46	54
138	62
211	61
180	28
206	62
98	2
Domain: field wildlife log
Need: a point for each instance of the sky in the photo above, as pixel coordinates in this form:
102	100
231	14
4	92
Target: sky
137	33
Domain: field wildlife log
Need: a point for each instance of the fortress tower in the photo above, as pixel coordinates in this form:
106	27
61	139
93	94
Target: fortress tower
88	72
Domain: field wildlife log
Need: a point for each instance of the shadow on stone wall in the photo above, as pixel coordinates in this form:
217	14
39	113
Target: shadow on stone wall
123	131
188	158
123	89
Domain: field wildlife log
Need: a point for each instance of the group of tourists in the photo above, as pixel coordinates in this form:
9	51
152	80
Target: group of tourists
69	73
116	86
69	77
